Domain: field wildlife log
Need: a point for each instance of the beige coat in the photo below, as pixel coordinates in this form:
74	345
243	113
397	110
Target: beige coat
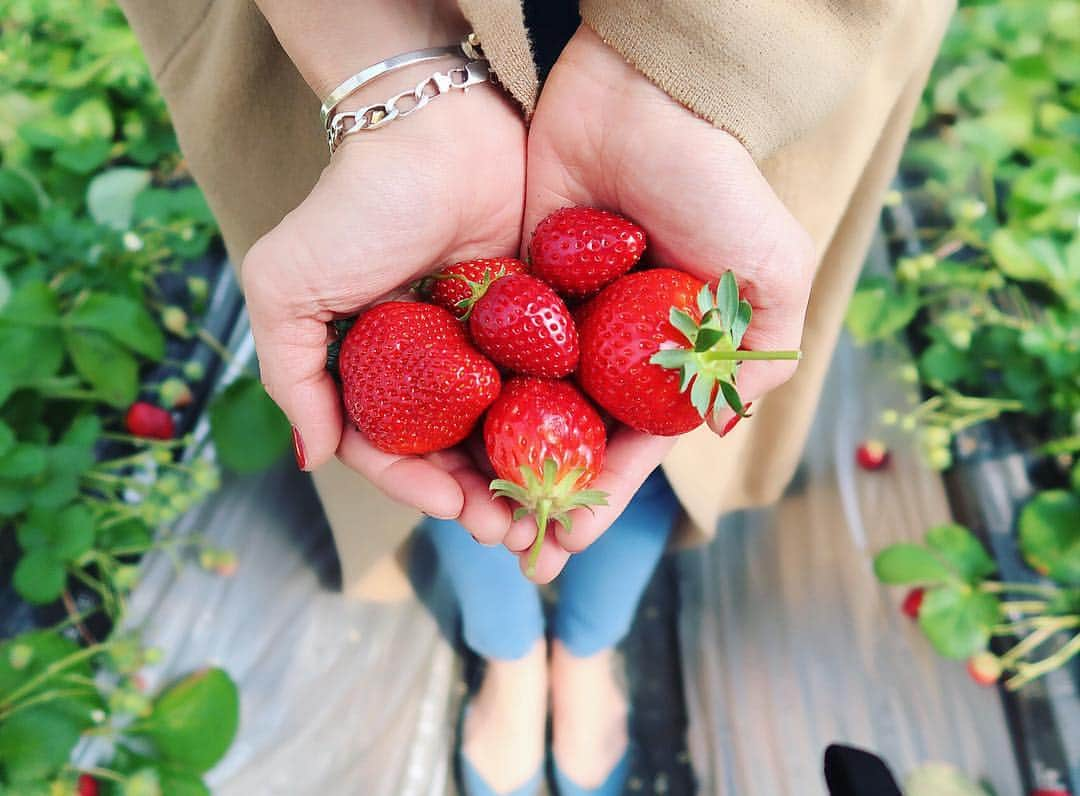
821	92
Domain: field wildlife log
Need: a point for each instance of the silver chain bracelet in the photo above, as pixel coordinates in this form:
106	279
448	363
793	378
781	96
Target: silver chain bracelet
372	117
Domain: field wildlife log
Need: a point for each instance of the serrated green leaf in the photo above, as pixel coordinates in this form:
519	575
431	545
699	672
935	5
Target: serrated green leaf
123	319
906	564
957	620
1050	535
705	301
961	551
105	365
249	431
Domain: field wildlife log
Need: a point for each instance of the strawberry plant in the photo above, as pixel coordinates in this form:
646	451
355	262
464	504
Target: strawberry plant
104	277
986	291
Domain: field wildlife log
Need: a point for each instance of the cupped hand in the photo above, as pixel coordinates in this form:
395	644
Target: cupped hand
443	185
603	135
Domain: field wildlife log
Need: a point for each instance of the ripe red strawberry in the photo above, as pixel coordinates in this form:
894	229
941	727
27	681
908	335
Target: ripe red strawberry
872	455
1050	792
546	443
653	335
459	286
87	786
523	325
411	380
578	250
984	668
913	602
146	420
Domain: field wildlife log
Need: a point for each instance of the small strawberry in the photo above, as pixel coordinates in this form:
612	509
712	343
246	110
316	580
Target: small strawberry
660	349
872	455
578	250
411	380
546	444
523	325
1050	792
146	420
458	287
913	602
984	668
87	786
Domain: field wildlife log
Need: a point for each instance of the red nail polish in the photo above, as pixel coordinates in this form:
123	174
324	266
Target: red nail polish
298	449
734	421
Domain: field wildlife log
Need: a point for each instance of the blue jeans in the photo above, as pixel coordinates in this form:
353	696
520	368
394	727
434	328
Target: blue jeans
598	591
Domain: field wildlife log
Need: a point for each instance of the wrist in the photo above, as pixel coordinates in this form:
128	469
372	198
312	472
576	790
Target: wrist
330	40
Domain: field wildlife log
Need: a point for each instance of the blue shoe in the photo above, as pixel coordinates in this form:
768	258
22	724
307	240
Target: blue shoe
474	785
612	786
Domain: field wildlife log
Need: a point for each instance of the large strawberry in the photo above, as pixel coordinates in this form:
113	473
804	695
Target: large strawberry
578	250
523	325
658	346
546	443
459	286
411	380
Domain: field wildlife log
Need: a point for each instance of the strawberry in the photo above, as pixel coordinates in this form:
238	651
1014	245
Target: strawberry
546	444
1050	792
913	602
87	786
459	286
872	455
411	380
523	325
578	250
651	336
984	668
152	422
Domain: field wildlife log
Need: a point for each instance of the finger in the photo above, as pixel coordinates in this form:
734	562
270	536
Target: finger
408	479
550	562
631	457
520	535
485	518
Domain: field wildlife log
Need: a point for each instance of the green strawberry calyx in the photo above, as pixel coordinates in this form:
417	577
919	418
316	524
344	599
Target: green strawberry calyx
477	287
713	356
548	498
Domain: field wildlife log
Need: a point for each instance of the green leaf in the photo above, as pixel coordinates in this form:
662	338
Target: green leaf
672	358
909	564
105	365
92	120
941	364
123	319
727	299
741	324
877	311
7	439
1050	535
67	533
35	742
707	337
959	548
194	721
957	619
39	577
732	398
83	157
24	461
701	393
126	534
705	301
19	193
110	197
1014	256
682	321
248	429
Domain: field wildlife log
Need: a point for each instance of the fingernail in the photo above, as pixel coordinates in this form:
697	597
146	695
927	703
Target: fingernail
298	449
734	421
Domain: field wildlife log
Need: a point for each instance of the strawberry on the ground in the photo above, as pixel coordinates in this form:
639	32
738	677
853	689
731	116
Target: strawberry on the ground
578	250
872	455
411	380
913	602
546	444
87	786
523	325
984	668
1050	792
458	287
660	349
144	419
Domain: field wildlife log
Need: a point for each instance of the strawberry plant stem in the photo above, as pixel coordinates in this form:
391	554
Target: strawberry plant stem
998	587
543	509
1023	606
45	696
52	669
1026	672
746	356
215	345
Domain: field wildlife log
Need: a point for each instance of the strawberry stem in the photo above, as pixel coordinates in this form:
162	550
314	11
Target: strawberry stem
543	509
746	356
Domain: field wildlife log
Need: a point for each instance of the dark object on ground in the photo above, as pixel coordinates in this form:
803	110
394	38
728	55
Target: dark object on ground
856	772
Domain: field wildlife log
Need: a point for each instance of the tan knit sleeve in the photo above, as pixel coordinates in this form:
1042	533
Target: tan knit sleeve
766	71
500	24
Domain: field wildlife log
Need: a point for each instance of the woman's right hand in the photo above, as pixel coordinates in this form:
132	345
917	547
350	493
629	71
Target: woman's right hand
444	185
